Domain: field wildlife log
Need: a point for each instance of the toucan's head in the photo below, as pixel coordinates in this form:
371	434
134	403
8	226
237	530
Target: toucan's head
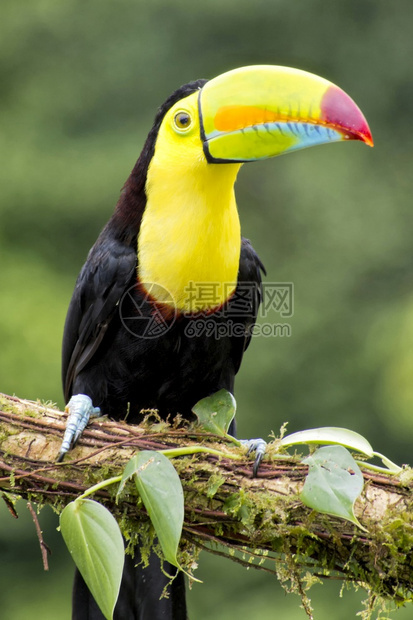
257	112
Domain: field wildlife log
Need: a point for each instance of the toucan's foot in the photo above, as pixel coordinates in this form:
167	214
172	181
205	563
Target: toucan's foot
258	446
80	409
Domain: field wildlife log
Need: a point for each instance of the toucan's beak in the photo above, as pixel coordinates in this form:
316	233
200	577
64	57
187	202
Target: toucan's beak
261	111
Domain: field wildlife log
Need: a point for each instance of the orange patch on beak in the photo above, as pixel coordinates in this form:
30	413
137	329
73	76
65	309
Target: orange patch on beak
235	117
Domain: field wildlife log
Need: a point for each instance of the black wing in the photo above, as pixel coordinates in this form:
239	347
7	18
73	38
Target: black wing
108	272
249	288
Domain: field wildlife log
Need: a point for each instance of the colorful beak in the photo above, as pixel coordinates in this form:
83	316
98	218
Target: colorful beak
261	111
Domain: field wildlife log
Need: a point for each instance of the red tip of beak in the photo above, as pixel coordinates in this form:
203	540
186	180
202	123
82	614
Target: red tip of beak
340	112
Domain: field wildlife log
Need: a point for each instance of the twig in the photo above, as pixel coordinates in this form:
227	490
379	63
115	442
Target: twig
43	547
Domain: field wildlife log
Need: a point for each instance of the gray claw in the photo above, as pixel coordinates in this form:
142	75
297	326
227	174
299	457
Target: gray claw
80	409
258	446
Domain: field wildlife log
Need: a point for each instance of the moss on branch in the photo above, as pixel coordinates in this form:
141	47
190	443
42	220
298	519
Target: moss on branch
256	521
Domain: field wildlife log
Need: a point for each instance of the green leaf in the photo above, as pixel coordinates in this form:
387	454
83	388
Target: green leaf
330	435
132	467
95	543
390	467
333	483
161	491
216	412
344	437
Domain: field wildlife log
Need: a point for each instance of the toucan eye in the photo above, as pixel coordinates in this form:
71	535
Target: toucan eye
182	121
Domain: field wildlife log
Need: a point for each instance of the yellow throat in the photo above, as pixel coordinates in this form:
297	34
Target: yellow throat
190	240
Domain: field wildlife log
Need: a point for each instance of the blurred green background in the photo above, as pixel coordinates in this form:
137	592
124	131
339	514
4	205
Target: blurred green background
80	83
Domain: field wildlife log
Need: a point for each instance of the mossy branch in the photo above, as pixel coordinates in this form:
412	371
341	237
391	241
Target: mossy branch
256	521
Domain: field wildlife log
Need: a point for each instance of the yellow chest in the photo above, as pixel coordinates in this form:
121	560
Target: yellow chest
190	240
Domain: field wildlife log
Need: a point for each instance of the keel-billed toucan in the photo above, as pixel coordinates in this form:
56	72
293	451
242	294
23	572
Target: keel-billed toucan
172	256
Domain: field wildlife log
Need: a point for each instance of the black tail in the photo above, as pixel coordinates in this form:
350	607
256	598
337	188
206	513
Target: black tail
139	596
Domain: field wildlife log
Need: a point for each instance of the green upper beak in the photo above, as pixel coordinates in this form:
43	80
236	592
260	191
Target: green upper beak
261	111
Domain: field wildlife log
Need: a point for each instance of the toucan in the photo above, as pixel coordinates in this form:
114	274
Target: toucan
164	306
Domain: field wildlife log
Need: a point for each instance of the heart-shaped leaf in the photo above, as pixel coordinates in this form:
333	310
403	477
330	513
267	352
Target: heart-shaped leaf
161	491
216	412
333	483
95	543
